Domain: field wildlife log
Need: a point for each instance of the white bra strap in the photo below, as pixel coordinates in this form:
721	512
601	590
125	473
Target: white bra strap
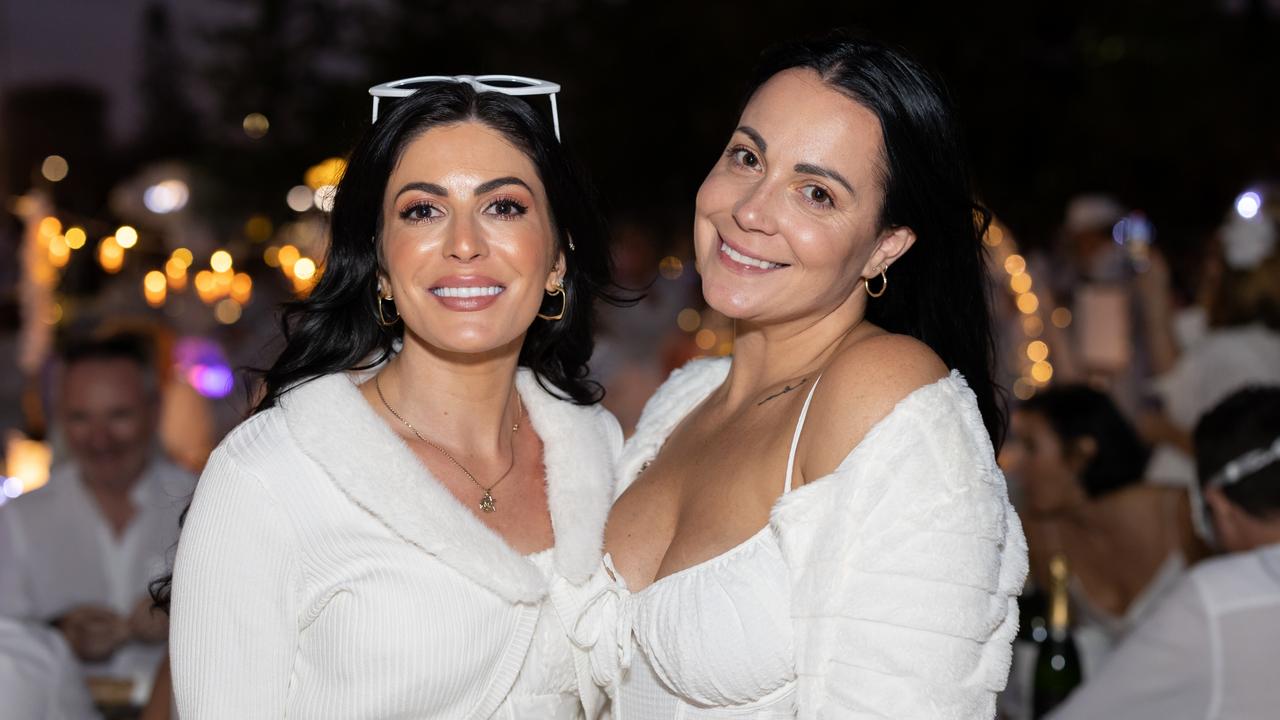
795	439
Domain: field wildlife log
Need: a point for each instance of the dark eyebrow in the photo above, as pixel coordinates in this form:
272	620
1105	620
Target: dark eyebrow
424	187
496	183
756	137
808	169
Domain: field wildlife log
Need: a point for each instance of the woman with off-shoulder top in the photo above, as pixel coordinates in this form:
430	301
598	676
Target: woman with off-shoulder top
816	527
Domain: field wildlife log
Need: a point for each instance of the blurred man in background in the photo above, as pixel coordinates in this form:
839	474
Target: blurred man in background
1211	648
79	553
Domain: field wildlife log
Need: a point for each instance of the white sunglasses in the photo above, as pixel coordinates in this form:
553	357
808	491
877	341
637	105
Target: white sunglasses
505	84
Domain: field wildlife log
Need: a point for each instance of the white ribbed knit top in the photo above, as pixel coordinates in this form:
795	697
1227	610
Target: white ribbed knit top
323	573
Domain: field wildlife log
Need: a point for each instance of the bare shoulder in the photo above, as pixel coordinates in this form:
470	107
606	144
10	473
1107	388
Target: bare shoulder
860	387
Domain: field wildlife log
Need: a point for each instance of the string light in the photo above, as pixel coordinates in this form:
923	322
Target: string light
49	226
59	251
55	168
1035	366
220	261
110	254
288	255
126	236
326	172
688	320
671	267
241	288
1061	317
304	269
227	311
154	287
76	238
258	228
256	125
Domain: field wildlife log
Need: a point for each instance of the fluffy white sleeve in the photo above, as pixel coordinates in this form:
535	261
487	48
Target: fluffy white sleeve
906	564
236	589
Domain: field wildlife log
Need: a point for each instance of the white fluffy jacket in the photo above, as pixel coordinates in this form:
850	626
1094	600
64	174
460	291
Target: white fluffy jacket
905	563
324	573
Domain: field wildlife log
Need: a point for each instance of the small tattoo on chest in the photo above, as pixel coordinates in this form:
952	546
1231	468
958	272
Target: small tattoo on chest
784	391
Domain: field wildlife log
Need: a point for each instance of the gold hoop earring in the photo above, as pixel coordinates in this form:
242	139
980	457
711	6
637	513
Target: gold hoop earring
382	318
564	301
884	285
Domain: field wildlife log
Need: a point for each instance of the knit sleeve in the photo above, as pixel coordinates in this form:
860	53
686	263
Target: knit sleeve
906	567
236	589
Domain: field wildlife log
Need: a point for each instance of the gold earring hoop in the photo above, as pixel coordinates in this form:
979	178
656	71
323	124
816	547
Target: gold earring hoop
884	285
382	318
564	302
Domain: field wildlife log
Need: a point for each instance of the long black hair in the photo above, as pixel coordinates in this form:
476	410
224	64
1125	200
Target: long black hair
1078	411
336	328
939	293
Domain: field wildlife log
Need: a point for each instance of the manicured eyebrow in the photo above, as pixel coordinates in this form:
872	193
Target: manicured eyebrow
809	169
755	136
496	183
431	188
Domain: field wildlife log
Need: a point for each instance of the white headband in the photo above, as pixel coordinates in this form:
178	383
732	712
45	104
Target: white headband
1246	465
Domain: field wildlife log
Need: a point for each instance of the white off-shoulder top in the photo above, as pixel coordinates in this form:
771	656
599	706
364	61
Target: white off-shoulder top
885	589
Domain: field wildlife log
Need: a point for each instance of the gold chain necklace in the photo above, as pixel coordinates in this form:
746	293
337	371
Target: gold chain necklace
487	503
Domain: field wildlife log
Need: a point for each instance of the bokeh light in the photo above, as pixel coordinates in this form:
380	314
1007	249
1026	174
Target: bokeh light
220	261
299	198
126	236
304	269
1248	204
227	311
256	125
688	319
671	267
166	196
76	238
55	168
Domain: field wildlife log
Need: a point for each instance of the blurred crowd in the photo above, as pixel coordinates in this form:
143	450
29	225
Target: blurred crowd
1143	453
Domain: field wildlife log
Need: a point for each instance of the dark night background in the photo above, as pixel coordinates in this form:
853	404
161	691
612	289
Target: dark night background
1171	106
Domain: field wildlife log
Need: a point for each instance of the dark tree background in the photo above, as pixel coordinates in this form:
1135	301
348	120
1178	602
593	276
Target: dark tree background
1169	105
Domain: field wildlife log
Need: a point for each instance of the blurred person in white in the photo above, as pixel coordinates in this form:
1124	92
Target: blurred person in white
1241	346
1211	648
39	678
1117	287
79	553
1079	464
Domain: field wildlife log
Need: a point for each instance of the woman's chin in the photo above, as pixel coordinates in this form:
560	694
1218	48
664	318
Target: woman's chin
733	302
475	339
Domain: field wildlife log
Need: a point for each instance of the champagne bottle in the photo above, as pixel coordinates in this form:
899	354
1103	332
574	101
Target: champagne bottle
1058	663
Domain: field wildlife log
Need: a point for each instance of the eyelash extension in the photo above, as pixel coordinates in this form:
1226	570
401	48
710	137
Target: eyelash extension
407	213
520	208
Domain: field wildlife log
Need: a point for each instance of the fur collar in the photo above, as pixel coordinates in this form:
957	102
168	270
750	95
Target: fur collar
335	427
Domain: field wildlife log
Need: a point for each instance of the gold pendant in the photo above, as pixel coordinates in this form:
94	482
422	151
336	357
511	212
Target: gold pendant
486	503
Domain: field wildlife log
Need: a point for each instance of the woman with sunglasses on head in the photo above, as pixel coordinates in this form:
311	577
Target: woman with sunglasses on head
816	527
404	526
